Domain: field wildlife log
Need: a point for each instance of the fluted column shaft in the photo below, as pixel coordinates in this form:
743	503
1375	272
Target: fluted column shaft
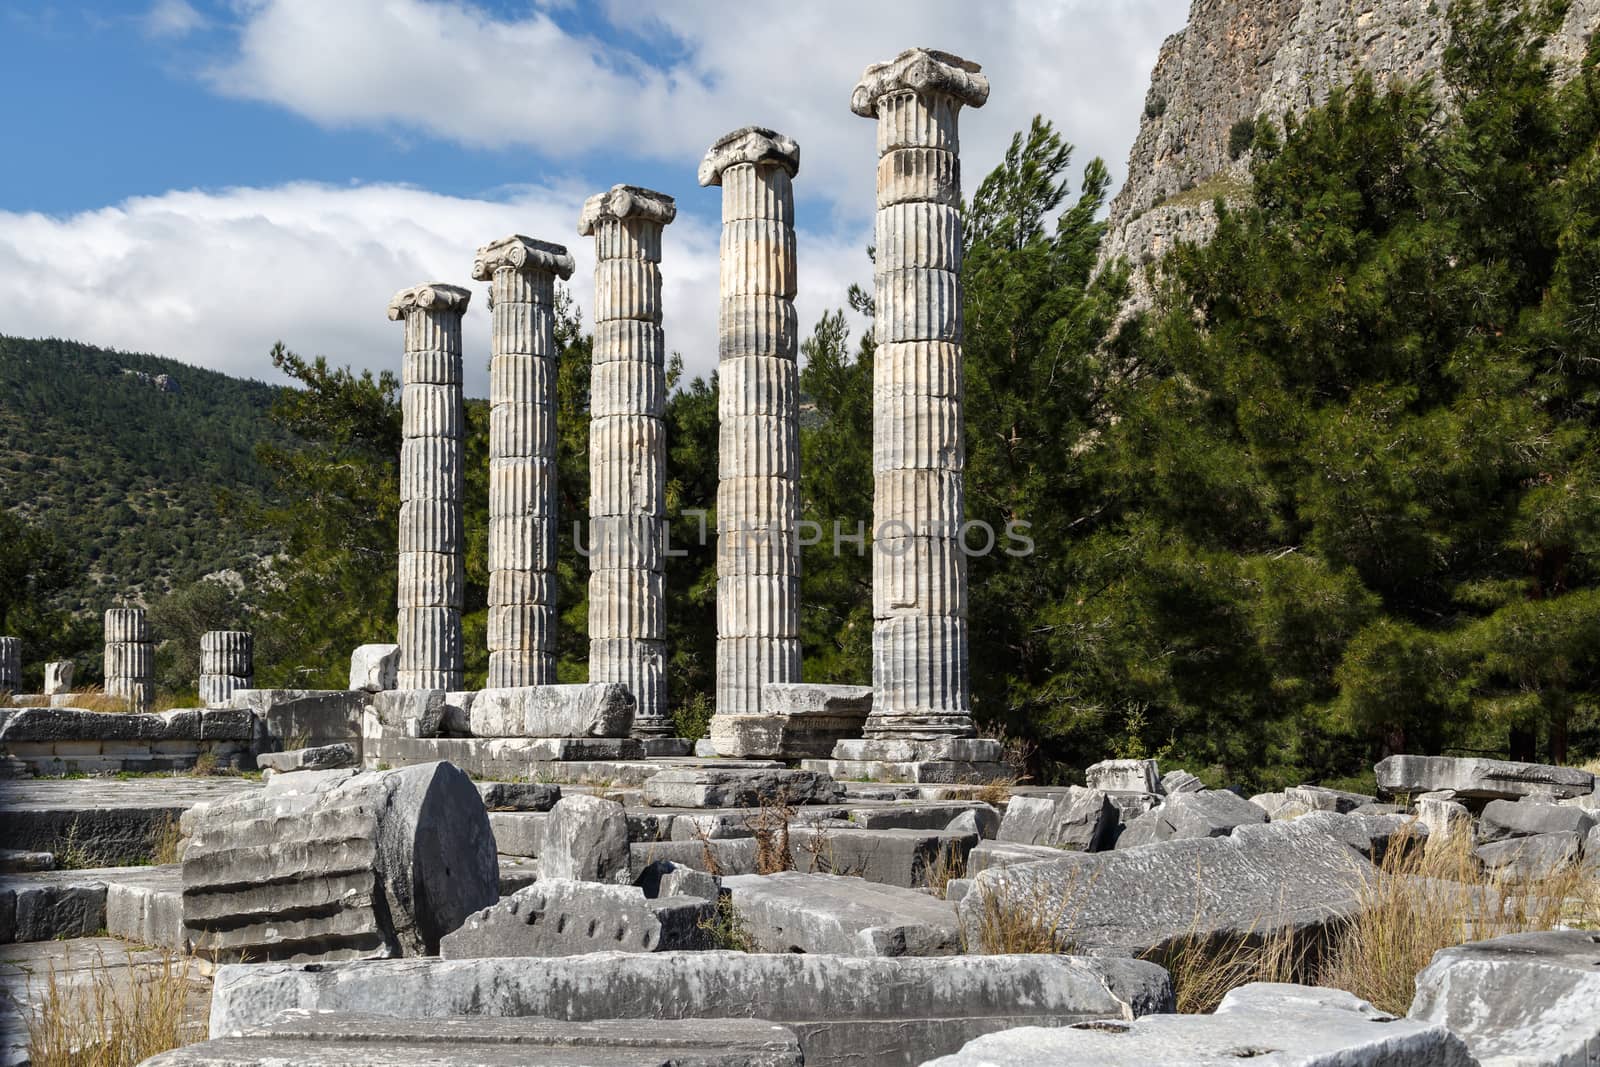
627	452
758	497
10	664
130	657
227	662
522	620
921	685
432	569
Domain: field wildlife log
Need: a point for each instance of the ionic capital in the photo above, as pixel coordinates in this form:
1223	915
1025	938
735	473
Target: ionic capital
924	71
626	202
430	296
523	253
749	144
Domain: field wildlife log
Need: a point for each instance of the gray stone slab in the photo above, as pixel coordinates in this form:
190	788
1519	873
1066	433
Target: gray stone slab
1483	779
1274	877
1528	859
734	855
1082	820
103	821
323	1039
907	858
845	1010
321	758
519	833
585	839
555	917
823	913
144	905
1273	1025
518	796
51	905
1320	798
19	861
719	788
989	854
75	724
588	710
1213	813
1124	776
919	815
1518	1000
300	717
1180	781
375	668
922	772
1502	819
609	761
663	878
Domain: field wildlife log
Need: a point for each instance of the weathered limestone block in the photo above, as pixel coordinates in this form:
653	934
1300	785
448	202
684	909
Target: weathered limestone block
307	716
431	456
334	864
799	721
1124	776
591	710
58	677
900	1010
1279	1024
51	905
1318	798
1213	813
1264	879
1483	779
921	686
1180	781
555	917
518	796
719	788
585	839
1081	820
11	664
663	878
1502	819
910	859
824	913
1519	999
375	668
321	1039
322	758
1531	859
1443	819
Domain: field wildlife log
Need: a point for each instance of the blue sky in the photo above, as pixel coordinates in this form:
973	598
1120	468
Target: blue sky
201	179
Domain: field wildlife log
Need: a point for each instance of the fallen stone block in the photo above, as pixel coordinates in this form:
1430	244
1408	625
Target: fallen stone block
565	759
51	905
1265	879
718	788
1320	798
926	815
663	878
1531	859
519	833
375	668
322	758
1082	820
824	913
1180	781
1213	813
734	855
989	854
797	721
910	859
554	917
1443	819
405	713
597	709
518	796
145	906
1277	1025
1503	819
980	819
585	839
330	1039
844	1010
1124	776
1482	779
335	864
1518	1000
305	717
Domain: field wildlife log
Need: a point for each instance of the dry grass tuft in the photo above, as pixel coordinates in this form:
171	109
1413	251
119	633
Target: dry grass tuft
165	843
770	828
1041	925
947	867
1203	970
1424	900
95	698
112	1023
206	765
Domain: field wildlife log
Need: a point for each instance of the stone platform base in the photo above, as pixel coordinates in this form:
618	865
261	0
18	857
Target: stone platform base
668	747
618	762
922	772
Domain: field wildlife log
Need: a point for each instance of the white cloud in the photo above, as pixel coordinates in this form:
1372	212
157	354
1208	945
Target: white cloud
214	278
172	18
449	69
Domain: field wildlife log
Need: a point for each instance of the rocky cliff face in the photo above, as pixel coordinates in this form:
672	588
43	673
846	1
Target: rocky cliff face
1238	59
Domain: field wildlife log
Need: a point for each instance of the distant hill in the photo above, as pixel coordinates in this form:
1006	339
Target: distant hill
123	456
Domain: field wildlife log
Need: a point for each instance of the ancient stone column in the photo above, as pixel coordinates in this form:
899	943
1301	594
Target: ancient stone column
58	677
758	499
130	657
522	276
431	456
921	690
10	664
627	451
227	662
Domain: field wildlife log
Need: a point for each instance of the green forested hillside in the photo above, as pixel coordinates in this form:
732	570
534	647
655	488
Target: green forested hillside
125	473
